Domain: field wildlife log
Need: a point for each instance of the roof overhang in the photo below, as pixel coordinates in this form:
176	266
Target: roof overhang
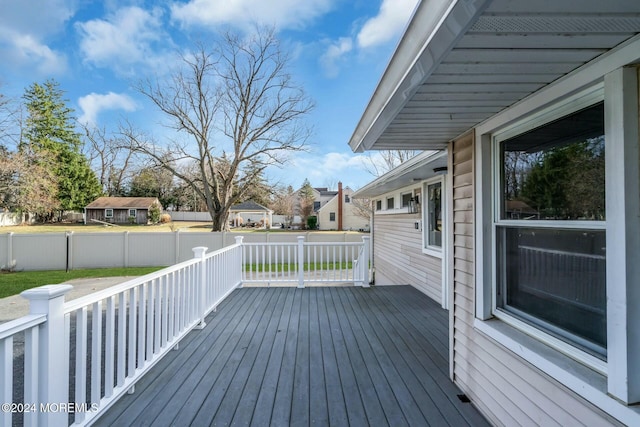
422	167
460	62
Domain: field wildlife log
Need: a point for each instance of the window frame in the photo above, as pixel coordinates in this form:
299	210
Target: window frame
557	111
332	216
135	213
378	205
108	213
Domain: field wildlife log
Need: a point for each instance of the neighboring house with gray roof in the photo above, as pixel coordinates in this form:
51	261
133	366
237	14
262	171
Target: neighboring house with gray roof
250	212
120	210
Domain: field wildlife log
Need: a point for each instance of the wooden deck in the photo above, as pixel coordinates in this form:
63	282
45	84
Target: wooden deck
315	356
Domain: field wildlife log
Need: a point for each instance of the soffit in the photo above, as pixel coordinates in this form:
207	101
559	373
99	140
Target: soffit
484	57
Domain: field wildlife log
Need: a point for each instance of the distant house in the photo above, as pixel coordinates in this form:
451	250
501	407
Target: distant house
335	210
120	210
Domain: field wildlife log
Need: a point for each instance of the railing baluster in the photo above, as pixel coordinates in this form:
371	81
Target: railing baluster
122	338
142	324
96	352
109	347
157	333
133	328
31	353
6	377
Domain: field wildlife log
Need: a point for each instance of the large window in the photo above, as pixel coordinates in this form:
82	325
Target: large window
549	228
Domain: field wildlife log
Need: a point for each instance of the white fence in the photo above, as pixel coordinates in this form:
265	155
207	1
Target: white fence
93	349
61	251
321	262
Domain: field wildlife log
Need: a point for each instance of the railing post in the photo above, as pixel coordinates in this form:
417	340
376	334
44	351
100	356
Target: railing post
239	240
366	240
301	261
53	359
199	253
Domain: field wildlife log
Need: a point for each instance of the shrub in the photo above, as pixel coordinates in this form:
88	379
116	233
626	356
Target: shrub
165	218
154	214
312	222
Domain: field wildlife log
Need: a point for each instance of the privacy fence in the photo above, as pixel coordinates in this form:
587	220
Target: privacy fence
76	250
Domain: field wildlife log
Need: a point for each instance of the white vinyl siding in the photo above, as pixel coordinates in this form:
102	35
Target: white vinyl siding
398	255
504	387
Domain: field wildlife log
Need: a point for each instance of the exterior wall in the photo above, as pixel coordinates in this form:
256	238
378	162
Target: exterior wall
507	389
398	257
350	221
324	214
120	216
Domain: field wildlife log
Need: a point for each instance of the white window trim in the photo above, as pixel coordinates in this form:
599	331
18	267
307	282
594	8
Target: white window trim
106	213
622	380
435	251
135	212
386	202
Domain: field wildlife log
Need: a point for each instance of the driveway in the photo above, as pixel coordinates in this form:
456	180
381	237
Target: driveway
15	306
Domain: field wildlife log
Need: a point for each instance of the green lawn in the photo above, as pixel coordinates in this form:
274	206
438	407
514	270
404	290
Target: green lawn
292	267
14	283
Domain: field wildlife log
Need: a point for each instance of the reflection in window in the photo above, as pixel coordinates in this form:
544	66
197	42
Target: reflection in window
390	203
556	171
434	226
552	275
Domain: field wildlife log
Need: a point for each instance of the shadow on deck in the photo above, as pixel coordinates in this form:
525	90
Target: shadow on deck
322	356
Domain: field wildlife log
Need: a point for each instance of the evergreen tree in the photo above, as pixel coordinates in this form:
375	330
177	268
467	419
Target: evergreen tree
305	201
49	140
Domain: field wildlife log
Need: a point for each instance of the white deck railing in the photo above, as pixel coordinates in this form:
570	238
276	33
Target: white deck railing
80	356
303	262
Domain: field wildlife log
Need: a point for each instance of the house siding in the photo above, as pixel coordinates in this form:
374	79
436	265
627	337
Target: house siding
120	216
398	256
504	387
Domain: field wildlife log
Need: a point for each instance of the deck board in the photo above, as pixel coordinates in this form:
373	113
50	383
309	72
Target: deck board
314	356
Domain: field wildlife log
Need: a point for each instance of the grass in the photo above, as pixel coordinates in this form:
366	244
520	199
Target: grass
62	227
169	227
16	282
293	267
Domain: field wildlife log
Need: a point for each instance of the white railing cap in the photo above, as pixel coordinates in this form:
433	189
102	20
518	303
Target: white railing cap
46	292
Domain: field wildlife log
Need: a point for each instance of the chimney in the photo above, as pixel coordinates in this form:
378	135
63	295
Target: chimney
340	202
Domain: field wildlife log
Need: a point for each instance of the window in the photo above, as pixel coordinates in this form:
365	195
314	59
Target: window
434	211
108	213
332	216
406	199
316	206
378	205
390	203
132	212
549	228
346	198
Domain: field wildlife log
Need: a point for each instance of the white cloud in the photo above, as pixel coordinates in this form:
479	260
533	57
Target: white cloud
24	27
346	167
126	39
390	21
25	51
94	103
334	53
242	13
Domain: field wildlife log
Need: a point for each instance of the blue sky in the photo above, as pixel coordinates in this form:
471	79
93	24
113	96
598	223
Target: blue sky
97	51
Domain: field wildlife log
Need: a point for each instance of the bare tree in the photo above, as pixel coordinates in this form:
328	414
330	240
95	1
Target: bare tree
240	111
111	158
362	208
284	203
383	161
